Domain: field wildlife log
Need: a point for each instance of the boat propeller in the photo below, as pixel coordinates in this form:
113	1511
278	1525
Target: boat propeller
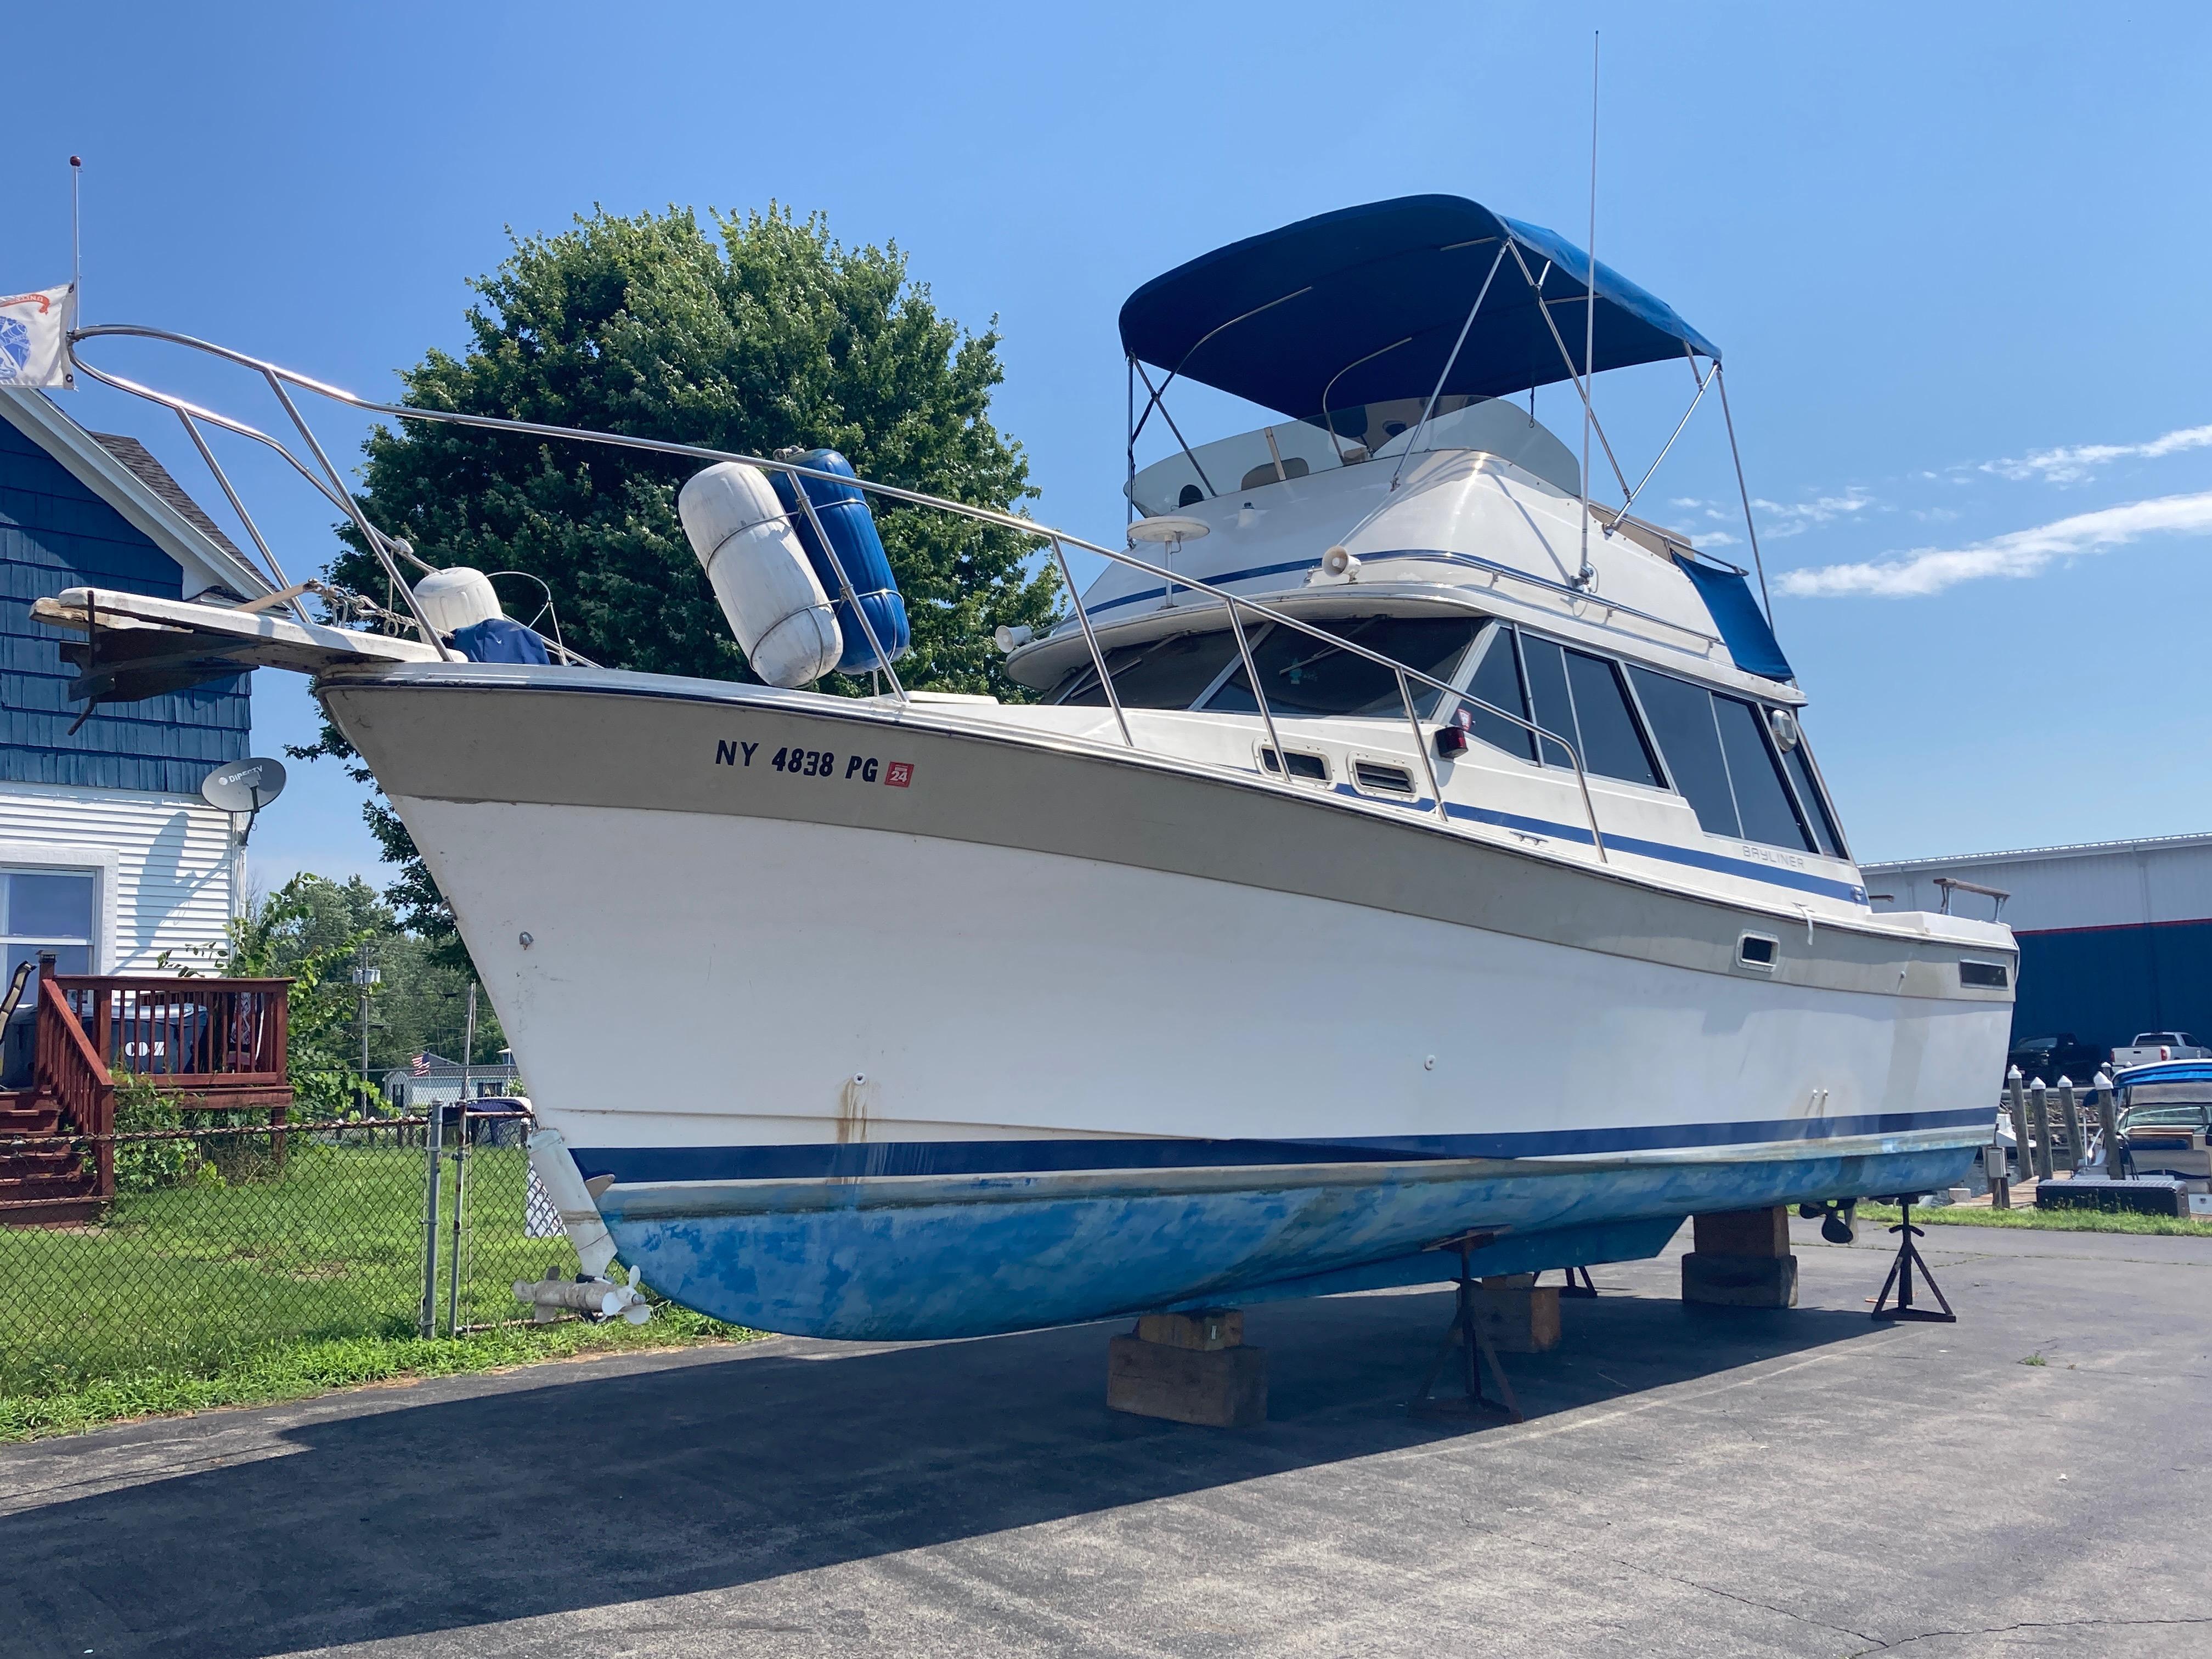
1837	1218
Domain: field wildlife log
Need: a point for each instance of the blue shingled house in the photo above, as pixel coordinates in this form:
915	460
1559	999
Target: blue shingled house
108	856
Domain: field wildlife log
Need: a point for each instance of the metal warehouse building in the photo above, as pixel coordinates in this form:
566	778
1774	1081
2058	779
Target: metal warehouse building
2115	937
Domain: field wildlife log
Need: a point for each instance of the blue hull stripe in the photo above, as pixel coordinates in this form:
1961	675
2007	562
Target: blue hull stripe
1665	852
822	1161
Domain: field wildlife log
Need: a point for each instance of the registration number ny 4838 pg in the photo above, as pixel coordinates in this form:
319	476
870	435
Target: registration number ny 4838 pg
796	763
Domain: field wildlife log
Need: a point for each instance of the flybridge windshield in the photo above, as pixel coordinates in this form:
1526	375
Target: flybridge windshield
1371	431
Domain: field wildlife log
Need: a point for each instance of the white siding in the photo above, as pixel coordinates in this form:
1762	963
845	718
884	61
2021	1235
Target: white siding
165	863
2119	884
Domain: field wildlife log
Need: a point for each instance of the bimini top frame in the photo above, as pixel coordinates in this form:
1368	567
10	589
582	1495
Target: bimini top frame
1371	304
390	550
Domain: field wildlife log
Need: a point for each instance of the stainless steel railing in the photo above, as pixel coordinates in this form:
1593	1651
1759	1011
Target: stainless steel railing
327	479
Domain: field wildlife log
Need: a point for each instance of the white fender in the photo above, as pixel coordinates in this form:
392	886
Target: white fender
760	574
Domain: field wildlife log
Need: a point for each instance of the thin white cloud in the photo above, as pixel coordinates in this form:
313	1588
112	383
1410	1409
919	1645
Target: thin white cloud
2020	553
1780	519
2074	463
1717	538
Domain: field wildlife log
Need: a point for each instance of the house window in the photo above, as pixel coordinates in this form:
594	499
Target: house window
48	910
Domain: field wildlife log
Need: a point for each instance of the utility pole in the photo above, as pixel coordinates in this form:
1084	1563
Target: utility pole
364	978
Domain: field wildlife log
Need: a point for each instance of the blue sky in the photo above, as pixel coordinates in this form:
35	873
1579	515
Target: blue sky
1951	255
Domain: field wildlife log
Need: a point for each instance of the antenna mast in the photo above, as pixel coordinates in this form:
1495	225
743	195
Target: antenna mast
1586	574
76	258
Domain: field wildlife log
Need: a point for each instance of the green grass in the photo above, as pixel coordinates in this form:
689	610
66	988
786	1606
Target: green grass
2058	1221
296	1371
275	1282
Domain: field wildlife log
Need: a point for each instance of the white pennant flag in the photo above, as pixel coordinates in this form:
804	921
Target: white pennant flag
34	336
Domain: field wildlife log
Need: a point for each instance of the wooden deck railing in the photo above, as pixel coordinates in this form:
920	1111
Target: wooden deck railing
69	1069
214	1044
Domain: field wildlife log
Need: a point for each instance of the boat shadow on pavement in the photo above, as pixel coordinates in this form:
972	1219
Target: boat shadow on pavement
468	1502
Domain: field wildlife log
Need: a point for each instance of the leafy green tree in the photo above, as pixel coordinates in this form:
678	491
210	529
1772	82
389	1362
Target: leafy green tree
290	934
757	333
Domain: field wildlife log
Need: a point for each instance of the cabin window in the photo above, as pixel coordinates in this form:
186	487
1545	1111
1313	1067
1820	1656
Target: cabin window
1984	975
1681	717
1612	744
1307	676
48	910
1723	761
1809	795
1762	798
1496	681
1167	673
1580	697
1758	950
1550	705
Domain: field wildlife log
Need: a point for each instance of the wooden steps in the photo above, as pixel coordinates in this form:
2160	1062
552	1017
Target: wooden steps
45	1180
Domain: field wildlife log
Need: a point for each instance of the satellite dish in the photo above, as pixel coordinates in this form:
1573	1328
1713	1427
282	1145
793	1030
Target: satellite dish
247	787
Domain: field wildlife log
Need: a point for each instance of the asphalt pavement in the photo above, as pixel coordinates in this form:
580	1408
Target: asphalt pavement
1690	1482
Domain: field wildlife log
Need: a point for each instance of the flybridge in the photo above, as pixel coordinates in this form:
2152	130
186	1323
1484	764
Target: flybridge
1365	305
1372	322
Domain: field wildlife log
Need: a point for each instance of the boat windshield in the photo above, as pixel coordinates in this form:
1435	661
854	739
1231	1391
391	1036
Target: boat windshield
1299	449
1303	676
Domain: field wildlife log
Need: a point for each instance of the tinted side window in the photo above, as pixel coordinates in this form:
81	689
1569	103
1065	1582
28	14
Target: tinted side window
1173	673
1612	747
1760	798
1165	674
1547	691
1307	676
1809	792
1497	681
1681	717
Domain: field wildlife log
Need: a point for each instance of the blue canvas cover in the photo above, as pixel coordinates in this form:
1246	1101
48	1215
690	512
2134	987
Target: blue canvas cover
2165	1070
843	509
500	639
1750	642
1366	303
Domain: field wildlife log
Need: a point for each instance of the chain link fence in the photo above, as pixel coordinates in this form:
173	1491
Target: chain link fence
225	1240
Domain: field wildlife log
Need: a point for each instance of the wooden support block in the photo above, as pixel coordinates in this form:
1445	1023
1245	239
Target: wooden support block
1206	1331
1763	1233
1739	1281
1517	1314
1213	1388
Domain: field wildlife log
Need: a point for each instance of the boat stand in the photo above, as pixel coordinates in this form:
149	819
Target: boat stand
1900	1275
1576	1285
1466	1339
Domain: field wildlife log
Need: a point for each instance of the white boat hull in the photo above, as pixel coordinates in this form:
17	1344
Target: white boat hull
853	1078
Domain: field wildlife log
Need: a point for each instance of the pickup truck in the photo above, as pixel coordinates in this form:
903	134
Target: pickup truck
2151	1046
